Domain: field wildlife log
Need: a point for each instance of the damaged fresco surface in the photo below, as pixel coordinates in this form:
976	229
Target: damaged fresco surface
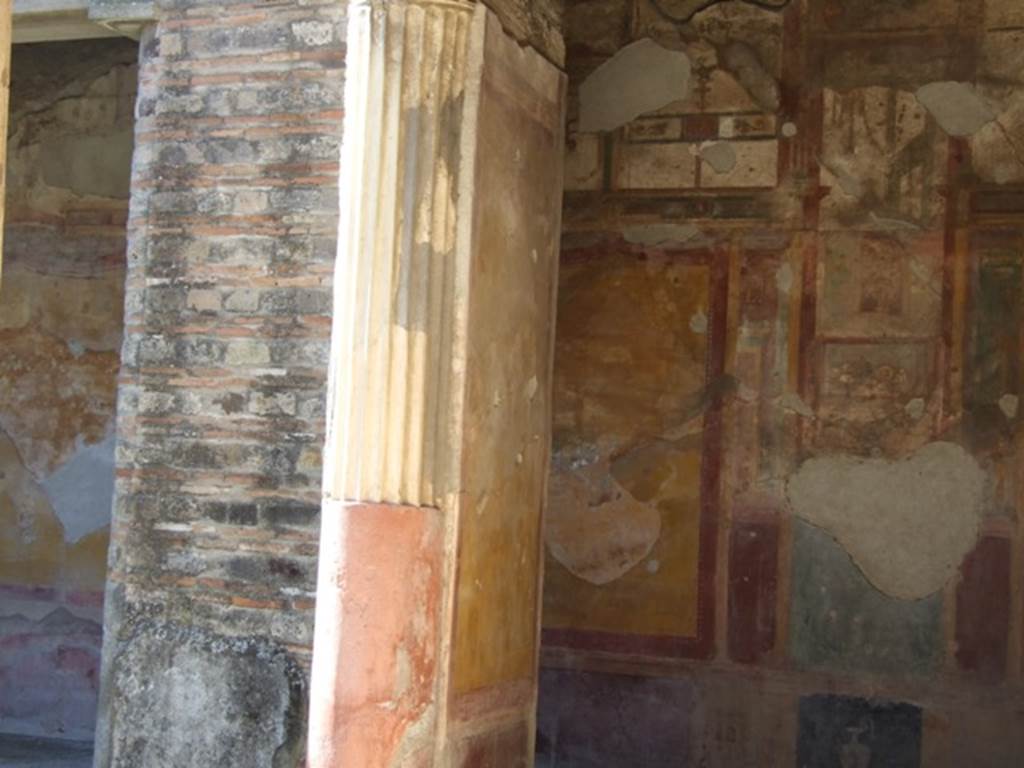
784	512
61	311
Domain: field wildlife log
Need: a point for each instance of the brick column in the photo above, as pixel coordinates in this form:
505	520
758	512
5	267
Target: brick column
438	410
231	238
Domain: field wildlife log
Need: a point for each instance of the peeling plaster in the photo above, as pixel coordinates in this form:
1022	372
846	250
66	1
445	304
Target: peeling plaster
640	78
906	524
595	527
957	107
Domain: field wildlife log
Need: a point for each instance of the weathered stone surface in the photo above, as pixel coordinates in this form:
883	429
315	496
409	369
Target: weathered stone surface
184	696
537	23
221	405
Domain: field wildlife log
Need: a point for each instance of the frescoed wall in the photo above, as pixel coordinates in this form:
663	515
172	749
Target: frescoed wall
61	310
784	518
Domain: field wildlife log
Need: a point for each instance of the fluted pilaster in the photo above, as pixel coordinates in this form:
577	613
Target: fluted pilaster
397	293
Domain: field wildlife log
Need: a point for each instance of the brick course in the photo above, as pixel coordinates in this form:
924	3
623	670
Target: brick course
221	394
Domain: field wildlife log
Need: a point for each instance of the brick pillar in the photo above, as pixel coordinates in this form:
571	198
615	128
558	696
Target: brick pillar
438	416
231	243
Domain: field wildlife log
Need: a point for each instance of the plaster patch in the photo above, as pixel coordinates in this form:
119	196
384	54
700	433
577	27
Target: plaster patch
784	278
1009	404
957	107
906	524
640	78
659	234
699	322
595	527
1003	174
720	155
81	491
531	388
747	393
789	130
794	403
915	408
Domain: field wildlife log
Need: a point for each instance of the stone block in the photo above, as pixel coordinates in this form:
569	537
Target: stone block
185	696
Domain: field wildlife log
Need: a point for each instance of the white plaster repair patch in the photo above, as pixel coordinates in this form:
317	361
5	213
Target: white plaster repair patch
640	78
906	524
720	155
957	107
915	408
1009	404
81	491
784	278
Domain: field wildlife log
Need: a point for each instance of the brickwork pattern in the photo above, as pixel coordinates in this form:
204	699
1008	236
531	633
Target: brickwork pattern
232	233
